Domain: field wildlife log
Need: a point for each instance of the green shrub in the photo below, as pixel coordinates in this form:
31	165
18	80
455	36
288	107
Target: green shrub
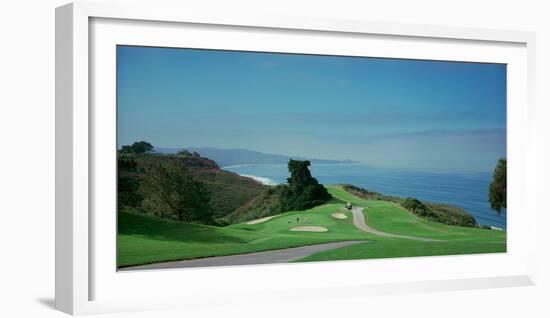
370	195
128	194
415	206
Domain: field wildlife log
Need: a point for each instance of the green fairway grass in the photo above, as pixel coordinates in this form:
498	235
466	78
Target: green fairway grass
339	193
393	218
393	247
145	239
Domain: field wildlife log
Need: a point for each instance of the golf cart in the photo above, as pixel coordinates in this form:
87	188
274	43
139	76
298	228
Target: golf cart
349	206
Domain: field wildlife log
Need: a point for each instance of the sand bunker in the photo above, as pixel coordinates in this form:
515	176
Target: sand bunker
309	229
340	216
262	220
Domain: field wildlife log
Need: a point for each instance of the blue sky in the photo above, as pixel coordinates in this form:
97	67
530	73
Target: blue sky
383	112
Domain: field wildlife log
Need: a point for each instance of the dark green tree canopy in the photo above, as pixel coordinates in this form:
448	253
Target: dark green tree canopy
137	147
126	149
497	189
300	176
303	191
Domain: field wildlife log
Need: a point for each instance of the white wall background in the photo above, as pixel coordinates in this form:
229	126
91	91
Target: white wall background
27	157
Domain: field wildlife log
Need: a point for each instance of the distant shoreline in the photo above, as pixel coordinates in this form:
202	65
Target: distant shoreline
238	166
236	156
262	180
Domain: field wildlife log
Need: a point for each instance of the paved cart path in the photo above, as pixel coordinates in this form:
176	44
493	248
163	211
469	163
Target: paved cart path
359	221
268	257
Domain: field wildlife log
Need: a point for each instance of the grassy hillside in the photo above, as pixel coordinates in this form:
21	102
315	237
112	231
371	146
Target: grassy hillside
230	190
231	197
265	204
437	212
144	239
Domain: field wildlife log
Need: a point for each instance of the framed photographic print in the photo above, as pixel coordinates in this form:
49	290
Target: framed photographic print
258	154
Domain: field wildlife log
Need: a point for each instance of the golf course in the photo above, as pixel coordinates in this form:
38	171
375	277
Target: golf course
386	230
230	158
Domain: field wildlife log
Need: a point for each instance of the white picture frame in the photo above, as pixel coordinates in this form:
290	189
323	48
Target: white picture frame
86	281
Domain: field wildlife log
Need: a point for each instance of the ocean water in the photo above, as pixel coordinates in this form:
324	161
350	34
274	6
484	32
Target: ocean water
468	190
